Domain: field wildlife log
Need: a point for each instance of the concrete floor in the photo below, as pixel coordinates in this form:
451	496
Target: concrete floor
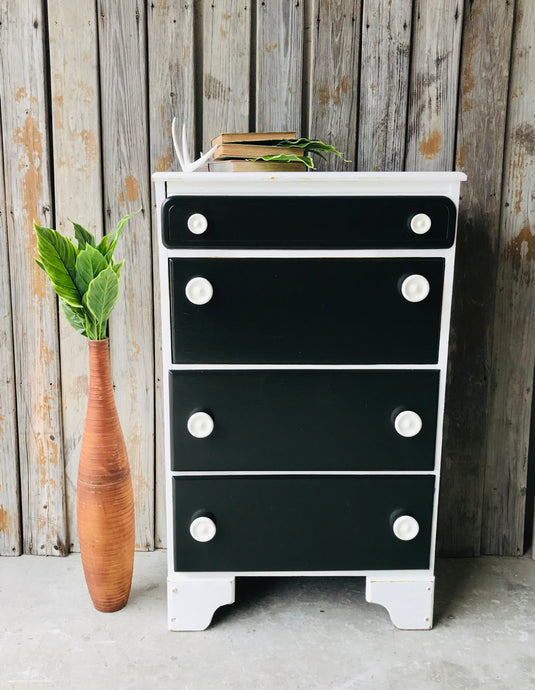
282	633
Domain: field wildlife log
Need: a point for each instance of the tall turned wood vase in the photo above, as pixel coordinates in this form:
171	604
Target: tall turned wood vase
105	500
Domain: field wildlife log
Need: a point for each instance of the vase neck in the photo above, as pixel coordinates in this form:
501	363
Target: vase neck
99	366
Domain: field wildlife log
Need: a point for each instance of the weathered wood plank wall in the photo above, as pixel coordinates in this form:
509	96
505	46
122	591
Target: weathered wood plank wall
87	98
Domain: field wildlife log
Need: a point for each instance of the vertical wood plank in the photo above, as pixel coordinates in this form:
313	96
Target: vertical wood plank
28	197
226	64
384	80
125	150
436	42
10	532
334	78
513	352
479	152
279	65
78	195
171	93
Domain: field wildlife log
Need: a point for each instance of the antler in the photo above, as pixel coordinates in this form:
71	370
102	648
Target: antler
186	163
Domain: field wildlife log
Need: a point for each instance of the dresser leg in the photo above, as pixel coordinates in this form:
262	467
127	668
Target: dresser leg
192	600
409	602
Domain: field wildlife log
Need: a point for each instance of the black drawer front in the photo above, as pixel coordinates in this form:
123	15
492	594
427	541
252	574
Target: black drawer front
253	222
303	420
302	523
292	311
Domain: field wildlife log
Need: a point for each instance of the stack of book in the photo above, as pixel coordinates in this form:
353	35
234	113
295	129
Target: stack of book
235	151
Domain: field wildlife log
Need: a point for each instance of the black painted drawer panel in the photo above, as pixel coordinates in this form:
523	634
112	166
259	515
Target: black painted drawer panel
319	311
309	222
303	420
302	523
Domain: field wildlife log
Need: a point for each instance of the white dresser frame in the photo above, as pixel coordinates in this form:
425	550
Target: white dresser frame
406	594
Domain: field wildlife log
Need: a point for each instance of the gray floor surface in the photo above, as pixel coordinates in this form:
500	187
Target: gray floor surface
282	633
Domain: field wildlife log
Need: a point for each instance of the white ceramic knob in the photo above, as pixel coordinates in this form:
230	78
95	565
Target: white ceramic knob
408	423
200	425
415	288
406	527
420	223
199	290
197	223
202	529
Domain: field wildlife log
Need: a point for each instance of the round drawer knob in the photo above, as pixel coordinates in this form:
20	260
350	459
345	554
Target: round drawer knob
408	423
199	290
415	288
202	529
200	425
420	223
406	527
197	223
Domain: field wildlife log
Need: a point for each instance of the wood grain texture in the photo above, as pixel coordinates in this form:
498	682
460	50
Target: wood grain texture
513	351
433	84
105	503
279	65
334	78
125	151
171	94
226	64
23	93
384	78
10	527
479	153
78	195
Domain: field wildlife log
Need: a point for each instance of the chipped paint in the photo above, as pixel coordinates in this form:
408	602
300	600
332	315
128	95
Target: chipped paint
30	156
90	144
431	146
4	519
164	162
20	94
268	48
46	354
58	112
132	188
2	432
461	157
88	91
522	248
136	350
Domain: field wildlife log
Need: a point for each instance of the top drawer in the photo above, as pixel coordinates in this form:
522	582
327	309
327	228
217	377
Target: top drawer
308	222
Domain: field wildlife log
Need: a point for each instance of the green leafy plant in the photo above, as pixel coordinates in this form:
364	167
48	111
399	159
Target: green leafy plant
85	277
307	160
310	146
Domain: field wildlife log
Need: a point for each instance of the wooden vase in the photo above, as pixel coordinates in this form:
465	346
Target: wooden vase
105	499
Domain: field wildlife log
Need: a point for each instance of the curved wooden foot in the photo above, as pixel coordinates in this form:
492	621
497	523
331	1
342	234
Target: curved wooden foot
409	602
192	601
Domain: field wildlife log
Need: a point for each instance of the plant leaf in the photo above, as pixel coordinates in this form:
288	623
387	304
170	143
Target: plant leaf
287	158
117	267
82	235
113	238
312	146
102	246
74	316
57	256
100	297
89	263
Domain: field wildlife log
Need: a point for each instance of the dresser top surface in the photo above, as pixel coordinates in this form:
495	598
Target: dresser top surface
309	177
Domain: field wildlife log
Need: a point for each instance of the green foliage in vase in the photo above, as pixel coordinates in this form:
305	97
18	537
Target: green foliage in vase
85	277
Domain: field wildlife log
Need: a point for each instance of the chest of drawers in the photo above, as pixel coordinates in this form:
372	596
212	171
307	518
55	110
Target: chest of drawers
305	323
